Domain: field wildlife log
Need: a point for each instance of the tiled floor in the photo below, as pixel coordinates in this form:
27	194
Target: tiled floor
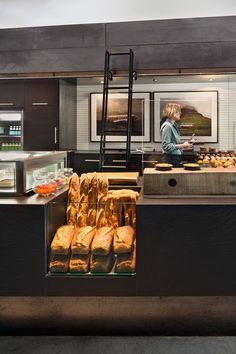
118	345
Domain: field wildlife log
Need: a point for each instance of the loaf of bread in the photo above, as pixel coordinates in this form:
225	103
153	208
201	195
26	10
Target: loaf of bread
102	241
71	213
79	263
123	239
101	219
74	189
59	263
103	185
84	184
91	219
126	262
62	240
82	240
101	264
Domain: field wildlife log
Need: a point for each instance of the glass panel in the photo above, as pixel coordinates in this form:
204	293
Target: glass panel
11	130
98	239
7	177
31	175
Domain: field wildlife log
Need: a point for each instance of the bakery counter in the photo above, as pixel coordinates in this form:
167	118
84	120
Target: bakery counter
186	245
25	222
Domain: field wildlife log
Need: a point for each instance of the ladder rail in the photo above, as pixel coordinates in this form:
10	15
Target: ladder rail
105	107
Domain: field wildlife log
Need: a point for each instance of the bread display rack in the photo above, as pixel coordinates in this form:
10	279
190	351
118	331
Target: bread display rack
99	236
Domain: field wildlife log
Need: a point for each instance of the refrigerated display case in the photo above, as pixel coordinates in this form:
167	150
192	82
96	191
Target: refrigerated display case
19	169
11	128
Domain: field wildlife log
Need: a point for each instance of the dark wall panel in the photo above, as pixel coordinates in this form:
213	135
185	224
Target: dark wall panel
188	55
164	44
212	29
52	60
71	36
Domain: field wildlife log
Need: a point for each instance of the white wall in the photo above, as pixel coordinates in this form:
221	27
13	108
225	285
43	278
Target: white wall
226	113
29	13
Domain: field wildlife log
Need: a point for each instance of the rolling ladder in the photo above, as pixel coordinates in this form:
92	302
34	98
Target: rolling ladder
126	131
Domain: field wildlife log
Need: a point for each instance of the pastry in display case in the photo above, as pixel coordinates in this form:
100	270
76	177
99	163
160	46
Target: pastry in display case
99	236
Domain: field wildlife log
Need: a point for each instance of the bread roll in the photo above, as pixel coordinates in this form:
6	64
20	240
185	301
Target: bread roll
102	241
82	240
126	262
79	263
123	239
59	263
101	264
62	240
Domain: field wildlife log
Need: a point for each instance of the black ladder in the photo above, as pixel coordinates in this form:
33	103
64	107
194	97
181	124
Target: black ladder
104	150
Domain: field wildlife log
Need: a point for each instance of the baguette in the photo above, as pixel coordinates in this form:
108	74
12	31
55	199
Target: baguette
123	239
82	240
102	241
59	263
84	184
62	240
79	263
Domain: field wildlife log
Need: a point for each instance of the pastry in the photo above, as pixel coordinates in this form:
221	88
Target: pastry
62	240
102	241
79	263
82	240
59	263
126	262
123	239
101	264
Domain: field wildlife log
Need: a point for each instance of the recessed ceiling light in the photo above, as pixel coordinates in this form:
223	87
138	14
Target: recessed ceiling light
101	82
155	80
210	79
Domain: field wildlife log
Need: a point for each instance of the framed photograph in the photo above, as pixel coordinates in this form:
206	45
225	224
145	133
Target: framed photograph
117	116
199	114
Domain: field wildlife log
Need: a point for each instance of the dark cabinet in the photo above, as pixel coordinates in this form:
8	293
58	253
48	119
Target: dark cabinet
41	93
11	94
41	128
41	115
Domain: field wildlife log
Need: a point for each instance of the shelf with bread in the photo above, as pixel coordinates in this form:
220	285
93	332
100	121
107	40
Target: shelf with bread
99	237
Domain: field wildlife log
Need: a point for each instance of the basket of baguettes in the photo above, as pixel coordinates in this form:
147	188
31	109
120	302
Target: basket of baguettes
100	233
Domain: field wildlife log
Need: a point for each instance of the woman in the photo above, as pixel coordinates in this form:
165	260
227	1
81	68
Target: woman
170	135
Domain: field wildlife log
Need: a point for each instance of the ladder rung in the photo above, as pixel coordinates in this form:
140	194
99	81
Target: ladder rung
113	166
124	53
117	88
115	131
114	149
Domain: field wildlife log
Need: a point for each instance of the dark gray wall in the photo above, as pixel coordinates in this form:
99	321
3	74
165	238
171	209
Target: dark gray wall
163	44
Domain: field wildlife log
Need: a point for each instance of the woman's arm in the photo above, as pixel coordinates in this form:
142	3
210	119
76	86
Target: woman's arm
167	145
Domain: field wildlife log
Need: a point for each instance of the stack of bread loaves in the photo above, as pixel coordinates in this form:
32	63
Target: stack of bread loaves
94	238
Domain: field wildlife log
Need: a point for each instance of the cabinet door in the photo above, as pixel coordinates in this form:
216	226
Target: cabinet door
11	94
40	128
41	92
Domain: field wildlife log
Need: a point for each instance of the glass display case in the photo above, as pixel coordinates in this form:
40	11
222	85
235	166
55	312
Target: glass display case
18	170
97	236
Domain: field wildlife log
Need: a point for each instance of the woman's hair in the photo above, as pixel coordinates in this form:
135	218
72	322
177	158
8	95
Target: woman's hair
171	109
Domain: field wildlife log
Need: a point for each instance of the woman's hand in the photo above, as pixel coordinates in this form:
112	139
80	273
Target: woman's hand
186	146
